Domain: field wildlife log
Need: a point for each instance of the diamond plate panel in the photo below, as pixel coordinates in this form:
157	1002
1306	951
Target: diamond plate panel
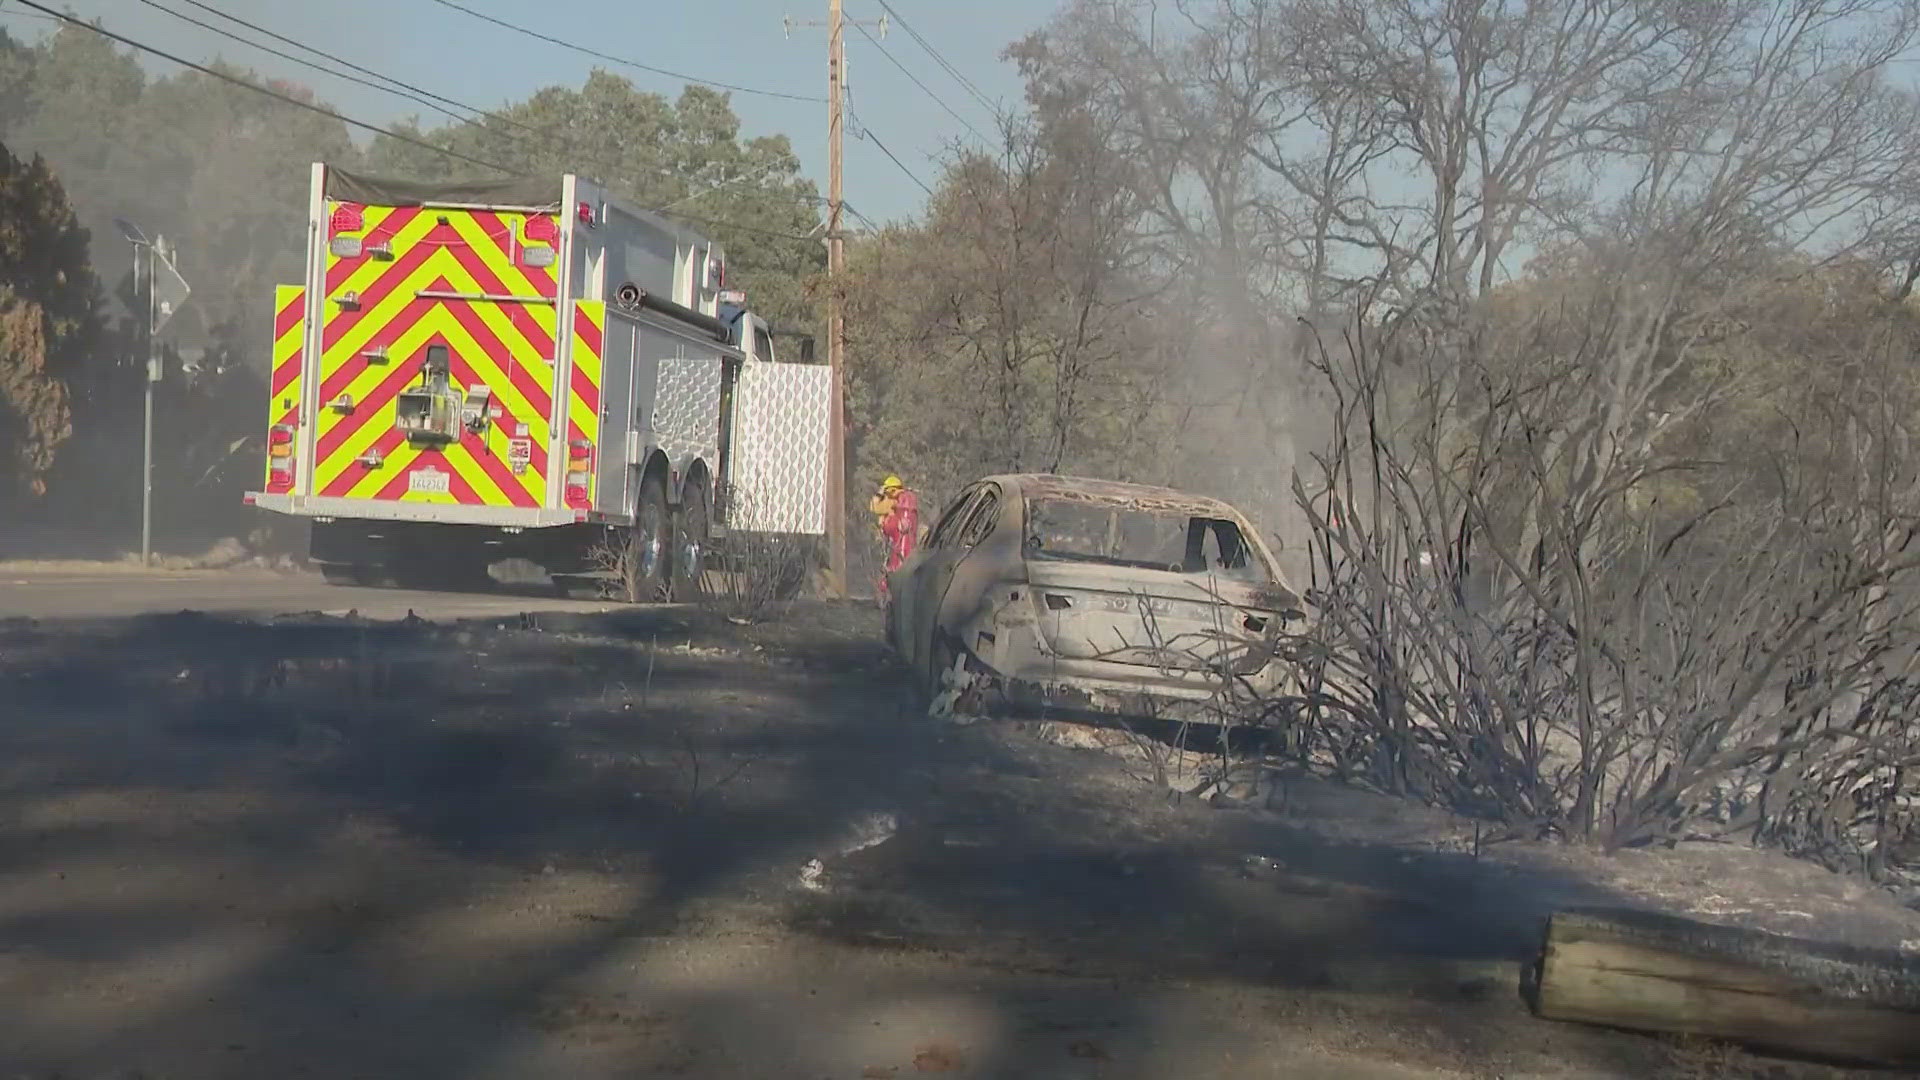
686	409
780	464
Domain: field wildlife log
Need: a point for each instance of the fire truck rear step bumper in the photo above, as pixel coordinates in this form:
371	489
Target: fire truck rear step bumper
375	510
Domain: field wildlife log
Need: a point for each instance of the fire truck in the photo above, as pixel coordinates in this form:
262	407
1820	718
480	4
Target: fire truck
478	372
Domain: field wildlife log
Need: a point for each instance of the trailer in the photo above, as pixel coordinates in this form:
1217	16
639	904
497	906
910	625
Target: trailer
472	373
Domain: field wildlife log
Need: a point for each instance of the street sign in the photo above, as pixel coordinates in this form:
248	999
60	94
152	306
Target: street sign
170	290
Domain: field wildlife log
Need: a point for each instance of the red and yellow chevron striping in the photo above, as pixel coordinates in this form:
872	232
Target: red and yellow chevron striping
436	277
283	379
583	396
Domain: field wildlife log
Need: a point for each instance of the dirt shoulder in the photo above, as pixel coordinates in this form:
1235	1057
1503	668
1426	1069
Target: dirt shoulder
648	842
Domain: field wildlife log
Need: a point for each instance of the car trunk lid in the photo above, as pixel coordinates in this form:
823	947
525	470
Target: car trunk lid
1157	618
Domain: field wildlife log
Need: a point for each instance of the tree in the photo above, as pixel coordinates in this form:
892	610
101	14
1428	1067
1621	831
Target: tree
235	166
47	315
684	158
16	74
1013	331
1612	533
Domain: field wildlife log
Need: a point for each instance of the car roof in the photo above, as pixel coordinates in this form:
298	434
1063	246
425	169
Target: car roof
1113	493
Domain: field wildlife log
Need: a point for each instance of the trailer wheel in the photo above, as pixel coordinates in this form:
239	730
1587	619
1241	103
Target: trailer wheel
690	540
649	546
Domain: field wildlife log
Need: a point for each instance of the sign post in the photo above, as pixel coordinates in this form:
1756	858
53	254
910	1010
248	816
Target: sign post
165	290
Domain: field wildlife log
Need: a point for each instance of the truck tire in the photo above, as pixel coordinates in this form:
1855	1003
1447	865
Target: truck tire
691	535
649	556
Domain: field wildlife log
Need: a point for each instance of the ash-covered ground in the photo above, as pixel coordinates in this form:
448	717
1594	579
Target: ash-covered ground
630	842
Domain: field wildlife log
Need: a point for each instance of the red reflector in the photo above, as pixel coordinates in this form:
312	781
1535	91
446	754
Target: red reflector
540	230
280	436
586	213
347	218
578	449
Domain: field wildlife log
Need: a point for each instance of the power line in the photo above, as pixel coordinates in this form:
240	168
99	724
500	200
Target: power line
407	90
341	117
596	54
258	89
865	132
908	72
271	51
958	77
303	46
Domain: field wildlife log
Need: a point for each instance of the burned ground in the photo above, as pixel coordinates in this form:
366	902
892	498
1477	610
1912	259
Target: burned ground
574	844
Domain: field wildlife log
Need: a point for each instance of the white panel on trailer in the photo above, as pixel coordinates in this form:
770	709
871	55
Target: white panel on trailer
779	461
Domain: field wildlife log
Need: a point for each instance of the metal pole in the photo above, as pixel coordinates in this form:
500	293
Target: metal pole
836	319
146	450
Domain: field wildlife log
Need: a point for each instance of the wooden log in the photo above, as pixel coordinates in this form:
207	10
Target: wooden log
1639	970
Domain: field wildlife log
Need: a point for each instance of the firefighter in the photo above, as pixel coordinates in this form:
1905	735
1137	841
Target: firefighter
896	509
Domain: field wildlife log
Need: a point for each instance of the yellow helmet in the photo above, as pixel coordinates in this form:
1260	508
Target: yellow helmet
891	483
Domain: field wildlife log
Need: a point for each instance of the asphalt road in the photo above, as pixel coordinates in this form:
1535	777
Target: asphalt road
110	590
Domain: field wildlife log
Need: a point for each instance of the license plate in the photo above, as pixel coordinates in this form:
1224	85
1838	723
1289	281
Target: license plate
428	482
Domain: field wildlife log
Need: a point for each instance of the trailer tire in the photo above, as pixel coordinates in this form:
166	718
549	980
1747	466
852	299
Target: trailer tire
691	537
647	565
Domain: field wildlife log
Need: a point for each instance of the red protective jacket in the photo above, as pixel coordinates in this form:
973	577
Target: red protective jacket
901	528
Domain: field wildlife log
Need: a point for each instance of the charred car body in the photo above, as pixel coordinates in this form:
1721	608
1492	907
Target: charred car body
1095	595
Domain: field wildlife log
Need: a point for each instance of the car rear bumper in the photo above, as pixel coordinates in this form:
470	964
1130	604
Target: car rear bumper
1128	690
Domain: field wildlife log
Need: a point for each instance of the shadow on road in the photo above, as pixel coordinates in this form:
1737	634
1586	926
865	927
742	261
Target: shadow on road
572	845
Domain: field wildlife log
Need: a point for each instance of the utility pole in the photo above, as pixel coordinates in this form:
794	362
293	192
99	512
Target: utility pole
836	295
836	309
146	427
147	292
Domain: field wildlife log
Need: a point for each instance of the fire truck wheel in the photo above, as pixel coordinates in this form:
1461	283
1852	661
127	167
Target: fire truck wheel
690	533
649	546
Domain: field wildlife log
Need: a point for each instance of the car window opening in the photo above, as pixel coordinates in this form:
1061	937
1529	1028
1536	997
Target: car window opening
1143	539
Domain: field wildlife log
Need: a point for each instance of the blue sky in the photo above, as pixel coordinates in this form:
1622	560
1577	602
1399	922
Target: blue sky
742	42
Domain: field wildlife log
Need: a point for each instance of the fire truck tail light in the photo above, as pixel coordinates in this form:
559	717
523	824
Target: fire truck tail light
540	230
579	450
279	459
576	493
585	213
347	218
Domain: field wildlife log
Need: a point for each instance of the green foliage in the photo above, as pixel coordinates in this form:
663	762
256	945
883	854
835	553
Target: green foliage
47	315
1007	333
222	173
681	157
219	170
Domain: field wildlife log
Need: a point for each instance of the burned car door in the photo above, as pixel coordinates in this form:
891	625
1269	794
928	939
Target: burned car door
974	522
909	583
975	566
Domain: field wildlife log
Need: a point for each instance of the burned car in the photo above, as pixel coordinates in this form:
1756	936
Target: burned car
1094	595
